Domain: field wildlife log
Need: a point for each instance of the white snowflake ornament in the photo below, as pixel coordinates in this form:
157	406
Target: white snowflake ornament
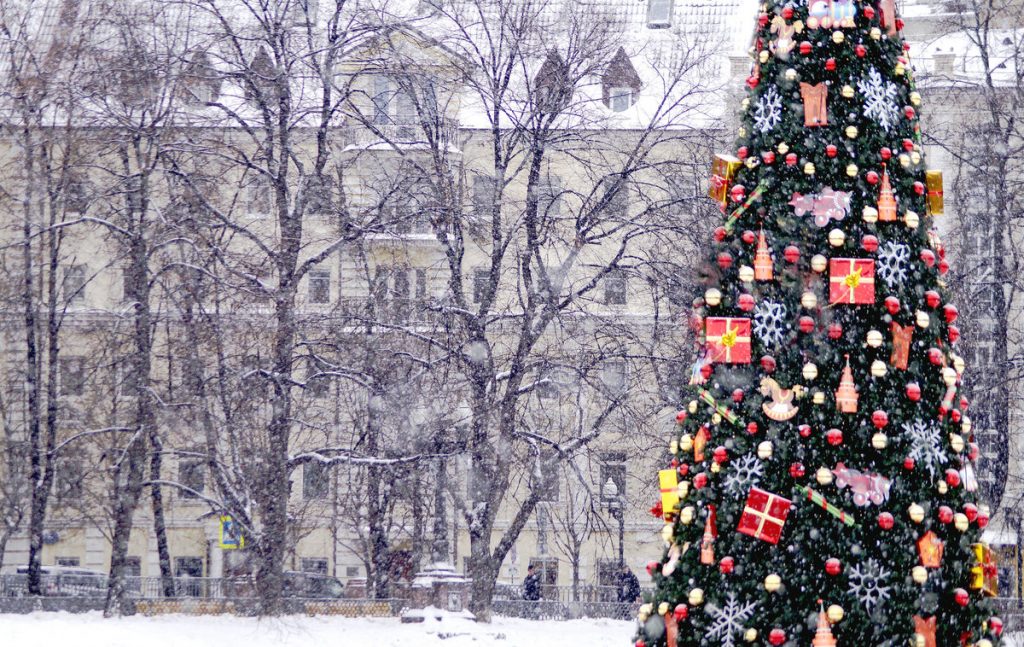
880	99
868	583
893	262
926	448
768	111
770	321
729	620
743	473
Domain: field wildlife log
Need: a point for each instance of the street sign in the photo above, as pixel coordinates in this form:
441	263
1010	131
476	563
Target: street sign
230	534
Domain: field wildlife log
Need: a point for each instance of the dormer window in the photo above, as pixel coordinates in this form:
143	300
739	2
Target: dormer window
620	84
553	87
201	82
659	14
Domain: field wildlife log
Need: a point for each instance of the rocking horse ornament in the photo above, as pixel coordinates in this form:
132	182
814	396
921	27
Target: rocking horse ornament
780	407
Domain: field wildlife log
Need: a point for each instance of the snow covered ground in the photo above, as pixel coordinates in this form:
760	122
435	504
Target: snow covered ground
91	630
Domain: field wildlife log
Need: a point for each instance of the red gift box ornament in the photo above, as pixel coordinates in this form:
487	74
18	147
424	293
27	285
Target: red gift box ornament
764	515
815	99
901	338
852	281
728	339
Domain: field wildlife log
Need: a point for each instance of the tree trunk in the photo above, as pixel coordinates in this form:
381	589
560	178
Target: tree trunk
159	523
484	574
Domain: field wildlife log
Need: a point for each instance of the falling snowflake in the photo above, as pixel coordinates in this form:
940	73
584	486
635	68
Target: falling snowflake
729	620
743	473
892	263
868	583
770	322
768	111
879	99
925	445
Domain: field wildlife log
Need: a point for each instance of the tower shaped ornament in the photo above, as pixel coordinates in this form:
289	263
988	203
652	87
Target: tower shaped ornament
886	200
823	635
846	394
763	268
707	545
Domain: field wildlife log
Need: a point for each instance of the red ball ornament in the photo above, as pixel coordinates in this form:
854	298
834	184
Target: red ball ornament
872	177
684	469
787	12
954	415
768	364
909	112
680	416
835	330
805	431
751	428
725	260
971	512
768	157
776	637
639	643
720	234
945	514
720	455
908	145
796	470
899	24
880	419
962	597
869	243
791	253
886	153
886	521
762	20
973	451
727	565
983	520
892	305
861	51
919	188
964	403
738	192
672	463
746	302
707	370
928	256
834	437
752	81
935	356
652	566
737	396
742	152
950	312
869	12
995	623
833	566
932	298
748	237
908	464
791	159
806	324
943	266
805	48
953	334
830	64
700	480
913	391
681	612
831	150
952	477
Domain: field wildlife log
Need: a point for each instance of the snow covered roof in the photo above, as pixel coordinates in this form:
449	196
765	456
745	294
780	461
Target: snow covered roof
955	57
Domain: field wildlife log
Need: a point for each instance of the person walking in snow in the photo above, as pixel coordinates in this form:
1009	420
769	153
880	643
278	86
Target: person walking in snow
531	585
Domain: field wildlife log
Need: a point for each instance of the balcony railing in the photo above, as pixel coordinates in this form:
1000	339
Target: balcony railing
388	311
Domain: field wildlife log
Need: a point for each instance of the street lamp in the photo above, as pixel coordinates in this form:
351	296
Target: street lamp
613	500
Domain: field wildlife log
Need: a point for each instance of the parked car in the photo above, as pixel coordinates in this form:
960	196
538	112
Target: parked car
296	584
61	581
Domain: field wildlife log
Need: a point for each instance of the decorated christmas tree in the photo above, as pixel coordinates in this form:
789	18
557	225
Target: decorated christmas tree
821	490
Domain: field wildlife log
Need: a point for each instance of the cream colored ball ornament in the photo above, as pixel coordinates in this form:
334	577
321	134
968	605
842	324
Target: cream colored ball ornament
960	522
915	98
956	441
958	364
818	397
942	487
848	92
876	33
666	534
984	642
949	376
644	612
696	597
712	296
852	170
836	237
900	69
916	513
686	442
904	160
663	608
745	104
879	368
750	635
763	56
966	425
875	338
838	37
746	274
915	157
878	441
673	447
716	468
919	574
783	148
809	300
809	168
852	132
692	407
751	162
870	215
922	319
835	613
809	371
912	220
918	641
791	74
772	583
686	515
819	263
823	476
765	450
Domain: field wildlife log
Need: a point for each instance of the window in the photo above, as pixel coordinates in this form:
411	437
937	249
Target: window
351	571
483	194
421	284
615	288
133	566
69	480
481	278
620	99
257	195
185	570
659	13
72	376
608	571
615	195
547	571
381	99
545	480
318	196
558	380
320	286
74	283
317	383
192	474
613	376
549	196
68	561
400	284
613	466
76	195
314	565
315	481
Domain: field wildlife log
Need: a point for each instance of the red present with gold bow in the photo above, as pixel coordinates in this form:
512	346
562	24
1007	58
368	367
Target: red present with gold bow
984	574
723	173
851	280
728	339
764	515
933	183
668	483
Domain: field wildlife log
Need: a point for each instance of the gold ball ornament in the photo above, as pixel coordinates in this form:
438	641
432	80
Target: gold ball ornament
819	263
696	597
765	449
809	300
874	338
960	522
712	296
746	274
899	70
879	441
948	376
809	168
942	487
878	368
667	534
912	220
835	613
742	132
958	364
772	583
716	418
716	468
852	170
838	37
848	92
922	319
809	371
790	74
915	98
692	407
823	476
876	33
915	157
919	574
686	515
916	513
836	237
966	425
904	160
818	397
663	608
984	642
673	447
783	148
644	612
852	132
751	162
750	635
870	215
763	56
